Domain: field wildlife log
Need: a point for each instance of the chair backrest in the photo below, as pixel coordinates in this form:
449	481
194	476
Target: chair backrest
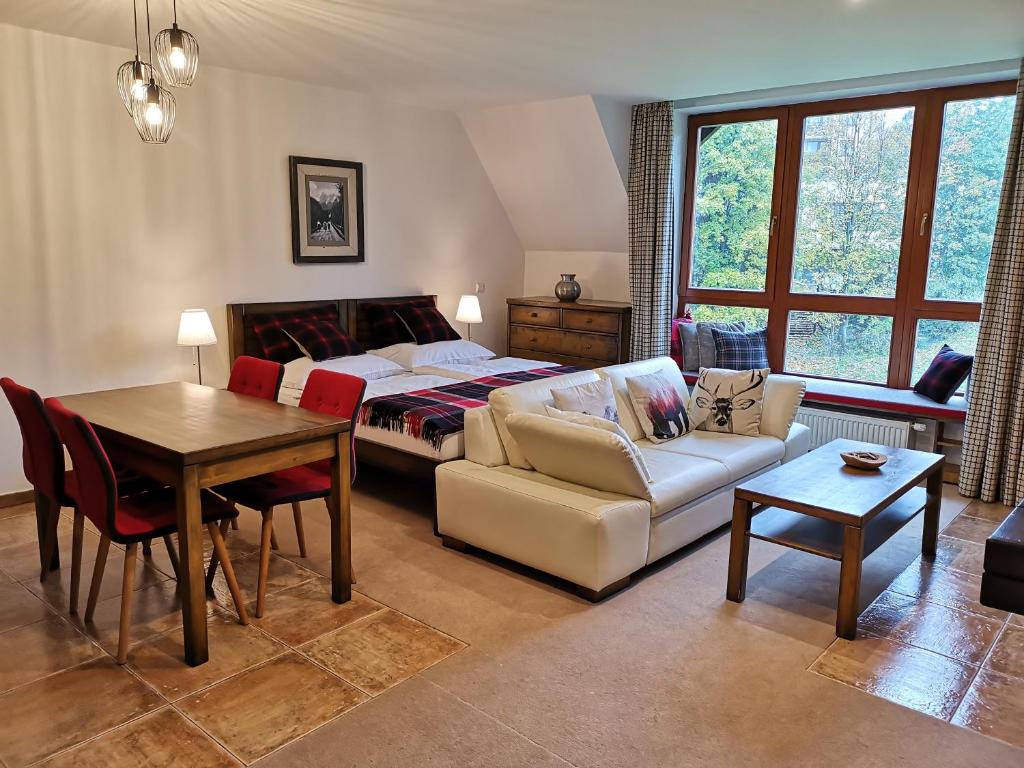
337	394
96	486
255	377
41	453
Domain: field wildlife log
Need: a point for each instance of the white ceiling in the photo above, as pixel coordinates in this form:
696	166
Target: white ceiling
465	54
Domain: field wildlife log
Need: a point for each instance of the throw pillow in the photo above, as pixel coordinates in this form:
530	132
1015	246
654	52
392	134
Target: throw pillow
706	353
320	340
595	398
688	343
659	405
426	324
946	373
741	350
385	327
728	401
676	343
273	341
587	420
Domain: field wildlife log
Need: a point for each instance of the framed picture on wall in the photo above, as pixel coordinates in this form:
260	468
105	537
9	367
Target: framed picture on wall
327	211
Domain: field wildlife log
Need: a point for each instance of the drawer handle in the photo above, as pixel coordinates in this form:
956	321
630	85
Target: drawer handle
533	314
587	348
533	340
590	320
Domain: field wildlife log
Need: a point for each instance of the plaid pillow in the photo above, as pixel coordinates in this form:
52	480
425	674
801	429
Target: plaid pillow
385	327
946	373
741	350
426	324
274	343
321	340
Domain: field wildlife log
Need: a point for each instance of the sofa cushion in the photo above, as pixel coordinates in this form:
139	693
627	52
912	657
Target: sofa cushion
659	404
678	479
739	454
594	397
595	458
617	375
483	445
528	397
782	396
607	425
728	401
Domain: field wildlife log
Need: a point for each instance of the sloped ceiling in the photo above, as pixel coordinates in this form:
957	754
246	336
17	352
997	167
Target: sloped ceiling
553	168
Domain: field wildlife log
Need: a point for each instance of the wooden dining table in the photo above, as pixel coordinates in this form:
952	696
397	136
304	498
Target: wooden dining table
193	437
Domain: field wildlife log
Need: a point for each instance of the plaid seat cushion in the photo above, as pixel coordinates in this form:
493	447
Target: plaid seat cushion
385	327
740	350
273	341
426	324
946	373
322	340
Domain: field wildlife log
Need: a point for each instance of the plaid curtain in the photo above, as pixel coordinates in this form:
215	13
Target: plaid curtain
651	229
994	433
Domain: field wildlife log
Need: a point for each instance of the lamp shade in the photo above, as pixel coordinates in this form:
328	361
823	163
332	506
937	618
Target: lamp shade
195	329
469	310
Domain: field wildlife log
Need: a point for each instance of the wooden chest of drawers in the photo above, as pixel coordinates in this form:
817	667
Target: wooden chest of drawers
585	333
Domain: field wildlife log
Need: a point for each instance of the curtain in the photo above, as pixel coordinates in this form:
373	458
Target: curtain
651	229
992	466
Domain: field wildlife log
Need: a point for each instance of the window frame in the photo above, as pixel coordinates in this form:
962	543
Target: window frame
909	304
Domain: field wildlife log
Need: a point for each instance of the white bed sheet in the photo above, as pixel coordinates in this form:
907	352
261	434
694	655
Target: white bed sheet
480	368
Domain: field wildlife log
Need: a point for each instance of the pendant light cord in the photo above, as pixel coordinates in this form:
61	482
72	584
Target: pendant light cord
149	32
135	24
174	5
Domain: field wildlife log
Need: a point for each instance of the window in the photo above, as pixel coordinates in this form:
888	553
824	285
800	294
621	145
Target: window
858	231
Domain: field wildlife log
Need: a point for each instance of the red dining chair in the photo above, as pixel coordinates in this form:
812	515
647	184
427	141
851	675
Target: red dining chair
337	394
128	520
255	377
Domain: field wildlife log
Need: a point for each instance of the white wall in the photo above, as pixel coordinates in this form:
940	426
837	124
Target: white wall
602	274
104	240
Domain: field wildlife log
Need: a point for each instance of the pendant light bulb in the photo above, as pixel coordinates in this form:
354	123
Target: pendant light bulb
139	85
154	112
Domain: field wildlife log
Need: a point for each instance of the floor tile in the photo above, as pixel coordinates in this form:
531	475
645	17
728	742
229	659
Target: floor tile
1008	654
21	561
238	548
17	510
994	705
1016	620
155	609
381	651
163	738
994	511
910	676
282	574
62	710
299	614
160	661
963	636
19	607
36	650
975	529
945	586
17	529
967	556
258	711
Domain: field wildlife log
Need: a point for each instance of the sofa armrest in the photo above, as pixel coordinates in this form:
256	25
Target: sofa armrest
798	442
483	445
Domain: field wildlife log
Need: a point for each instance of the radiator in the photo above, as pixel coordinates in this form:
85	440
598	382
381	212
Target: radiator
829	425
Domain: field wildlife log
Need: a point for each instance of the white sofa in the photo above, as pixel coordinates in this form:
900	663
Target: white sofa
587	512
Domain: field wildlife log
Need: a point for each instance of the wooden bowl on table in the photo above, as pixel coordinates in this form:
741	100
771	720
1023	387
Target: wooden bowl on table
864	459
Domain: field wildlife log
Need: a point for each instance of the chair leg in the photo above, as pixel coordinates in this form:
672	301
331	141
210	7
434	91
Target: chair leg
97	577
172	554
78	533
273	541
234	524
229	572
211	570
147	548
127	592
49	542
266	537
351	564
300	534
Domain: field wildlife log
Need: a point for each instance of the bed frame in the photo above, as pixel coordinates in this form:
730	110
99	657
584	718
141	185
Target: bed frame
352	320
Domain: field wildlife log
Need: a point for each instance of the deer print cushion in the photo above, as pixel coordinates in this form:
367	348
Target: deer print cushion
660	405
728	401
595	398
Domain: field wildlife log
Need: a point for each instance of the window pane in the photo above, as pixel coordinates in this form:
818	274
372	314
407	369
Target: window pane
839	346
753	317
972	158
932	334
732	205
852	193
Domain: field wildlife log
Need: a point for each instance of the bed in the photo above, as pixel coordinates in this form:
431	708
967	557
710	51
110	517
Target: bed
387	447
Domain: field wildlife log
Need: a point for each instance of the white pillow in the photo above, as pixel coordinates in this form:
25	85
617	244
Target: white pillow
366	366
729	401
409	355
595	398
589	420
660	406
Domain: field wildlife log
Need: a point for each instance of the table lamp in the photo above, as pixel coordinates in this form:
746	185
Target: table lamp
469	313
196	330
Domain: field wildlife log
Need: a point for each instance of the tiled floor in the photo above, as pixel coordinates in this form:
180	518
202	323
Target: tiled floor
305	663
928	644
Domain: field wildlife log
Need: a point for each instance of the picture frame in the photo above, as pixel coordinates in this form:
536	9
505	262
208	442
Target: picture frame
327	211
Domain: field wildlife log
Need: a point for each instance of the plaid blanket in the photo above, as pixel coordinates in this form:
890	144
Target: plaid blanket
433	414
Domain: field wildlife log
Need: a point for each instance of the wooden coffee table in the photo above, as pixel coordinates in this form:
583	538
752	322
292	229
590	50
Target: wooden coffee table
819	505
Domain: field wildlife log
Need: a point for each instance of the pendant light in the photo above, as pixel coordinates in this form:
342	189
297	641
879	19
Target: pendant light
177	54
133	76
154	114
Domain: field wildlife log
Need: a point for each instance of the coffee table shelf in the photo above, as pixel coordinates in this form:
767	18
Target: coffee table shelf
825	537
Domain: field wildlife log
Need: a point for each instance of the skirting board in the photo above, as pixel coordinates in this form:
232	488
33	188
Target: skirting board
15	498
